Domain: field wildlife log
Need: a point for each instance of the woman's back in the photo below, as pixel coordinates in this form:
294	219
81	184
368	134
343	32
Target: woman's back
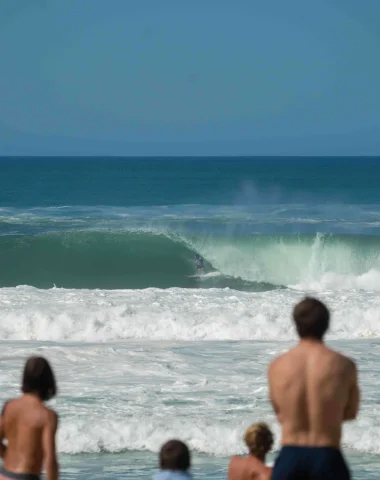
23	423
29	427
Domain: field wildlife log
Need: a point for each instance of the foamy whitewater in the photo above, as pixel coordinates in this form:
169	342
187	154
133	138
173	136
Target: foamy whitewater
95	276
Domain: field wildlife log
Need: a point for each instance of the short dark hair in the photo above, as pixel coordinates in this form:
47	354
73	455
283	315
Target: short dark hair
312	318
174	455
38	378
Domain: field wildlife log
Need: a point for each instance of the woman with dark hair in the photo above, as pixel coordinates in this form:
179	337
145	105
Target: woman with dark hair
30	427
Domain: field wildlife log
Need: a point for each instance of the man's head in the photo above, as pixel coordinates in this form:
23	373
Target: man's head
174	455
38	378
312	319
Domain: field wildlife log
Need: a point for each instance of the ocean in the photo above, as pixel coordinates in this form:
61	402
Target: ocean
96	256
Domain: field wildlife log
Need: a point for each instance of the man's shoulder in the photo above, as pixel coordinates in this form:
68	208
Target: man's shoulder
282	358
279	363
296	355
339	357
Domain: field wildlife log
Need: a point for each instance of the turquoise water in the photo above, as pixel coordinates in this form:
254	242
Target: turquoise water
137	223
121	182
95	256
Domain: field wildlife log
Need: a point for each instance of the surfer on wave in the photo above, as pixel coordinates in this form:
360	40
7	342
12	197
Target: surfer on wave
199	265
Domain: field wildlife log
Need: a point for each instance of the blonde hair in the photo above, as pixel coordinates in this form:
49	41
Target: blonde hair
259	439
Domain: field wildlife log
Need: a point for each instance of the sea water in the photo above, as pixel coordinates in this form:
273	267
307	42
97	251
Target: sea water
95	256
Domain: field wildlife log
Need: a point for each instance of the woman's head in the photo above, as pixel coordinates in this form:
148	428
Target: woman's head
38	378
259	439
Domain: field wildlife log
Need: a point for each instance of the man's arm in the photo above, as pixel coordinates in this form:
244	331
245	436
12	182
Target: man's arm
3	448
271	397
48	445
352	407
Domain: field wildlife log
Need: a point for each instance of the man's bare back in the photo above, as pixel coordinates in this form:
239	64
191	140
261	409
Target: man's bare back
313	391
29	427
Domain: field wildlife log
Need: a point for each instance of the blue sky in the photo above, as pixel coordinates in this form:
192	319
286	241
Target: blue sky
135	77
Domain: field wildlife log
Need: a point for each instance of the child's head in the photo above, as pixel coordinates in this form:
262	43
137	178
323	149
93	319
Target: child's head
259	439
174	455
38	378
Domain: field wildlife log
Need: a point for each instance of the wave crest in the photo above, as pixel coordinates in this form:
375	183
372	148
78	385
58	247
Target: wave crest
138	259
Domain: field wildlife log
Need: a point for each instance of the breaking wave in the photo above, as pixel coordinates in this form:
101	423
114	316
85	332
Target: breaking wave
136	259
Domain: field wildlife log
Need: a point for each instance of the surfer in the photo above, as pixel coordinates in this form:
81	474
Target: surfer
199	265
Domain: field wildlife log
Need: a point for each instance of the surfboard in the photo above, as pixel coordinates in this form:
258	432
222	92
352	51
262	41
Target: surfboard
193	276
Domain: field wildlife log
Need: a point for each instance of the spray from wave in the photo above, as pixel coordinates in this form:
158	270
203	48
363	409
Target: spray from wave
311	262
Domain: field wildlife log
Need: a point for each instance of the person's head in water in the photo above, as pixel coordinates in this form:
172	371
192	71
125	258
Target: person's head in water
312	319
174	455
259	440
38	378
197	256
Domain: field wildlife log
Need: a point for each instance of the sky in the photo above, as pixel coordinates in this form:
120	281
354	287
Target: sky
199	77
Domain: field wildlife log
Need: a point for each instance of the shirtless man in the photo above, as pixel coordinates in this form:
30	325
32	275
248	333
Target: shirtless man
30	427
313	390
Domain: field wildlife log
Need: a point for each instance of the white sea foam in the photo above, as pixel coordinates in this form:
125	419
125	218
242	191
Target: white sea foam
118	436
135	395
177	314
369	280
